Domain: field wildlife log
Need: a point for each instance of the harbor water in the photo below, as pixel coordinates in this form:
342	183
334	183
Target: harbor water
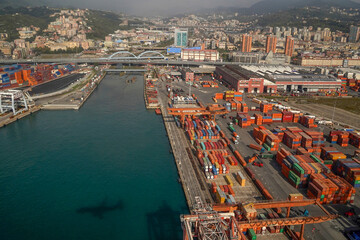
103	172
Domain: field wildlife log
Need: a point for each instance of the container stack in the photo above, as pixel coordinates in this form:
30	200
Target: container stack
296	116
243	120
213	162
265	107
331	153
260	135
241	178
277	117
244	108
292	140
287	116
279	133
201	129
238	96
318	140
308	121
281	155
355	139
306	141
339	137
328	188
229	95
267	119
349	170
235	105
272	142
258	119
219	96
220	195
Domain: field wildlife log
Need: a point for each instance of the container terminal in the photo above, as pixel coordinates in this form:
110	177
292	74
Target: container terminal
252	168
25	89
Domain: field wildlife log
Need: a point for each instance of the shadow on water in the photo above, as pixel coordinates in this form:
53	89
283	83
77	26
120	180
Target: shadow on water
164	223
99	210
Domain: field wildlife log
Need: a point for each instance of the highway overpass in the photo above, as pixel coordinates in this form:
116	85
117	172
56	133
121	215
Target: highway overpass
123	61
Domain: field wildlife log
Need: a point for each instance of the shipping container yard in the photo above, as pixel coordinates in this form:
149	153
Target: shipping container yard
250	167
243	151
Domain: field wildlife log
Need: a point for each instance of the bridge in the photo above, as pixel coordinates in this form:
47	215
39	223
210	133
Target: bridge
123	55
125	70
125	61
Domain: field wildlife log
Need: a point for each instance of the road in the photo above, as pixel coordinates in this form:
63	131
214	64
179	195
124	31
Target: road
179	145
125	61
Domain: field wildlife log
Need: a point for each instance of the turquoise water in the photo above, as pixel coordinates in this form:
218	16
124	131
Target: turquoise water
103	172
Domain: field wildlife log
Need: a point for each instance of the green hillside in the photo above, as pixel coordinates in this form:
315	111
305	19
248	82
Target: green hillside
103	23
11	18
316	17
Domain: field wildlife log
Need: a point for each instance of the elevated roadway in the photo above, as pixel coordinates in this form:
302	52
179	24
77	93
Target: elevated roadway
125	70
125	61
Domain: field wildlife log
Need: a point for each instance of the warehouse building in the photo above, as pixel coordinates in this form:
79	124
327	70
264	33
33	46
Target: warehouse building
288	79
304	82
243	80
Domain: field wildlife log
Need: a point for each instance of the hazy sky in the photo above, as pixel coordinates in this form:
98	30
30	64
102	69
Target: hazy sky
154	7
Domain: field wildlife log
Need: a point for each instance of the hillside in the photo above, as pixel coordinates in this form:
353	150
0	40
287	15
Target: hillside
11	18
102	23
268	6
316	17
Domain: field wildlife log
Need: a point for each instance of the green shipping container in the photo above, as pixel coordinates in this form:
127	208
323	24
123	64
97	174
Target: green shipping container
294	177
267	155
298	168
315	158
252	234
266	147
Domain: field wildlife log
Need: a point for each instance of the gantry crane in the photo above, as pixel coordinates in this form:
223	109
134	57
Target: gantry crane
235	227
210	111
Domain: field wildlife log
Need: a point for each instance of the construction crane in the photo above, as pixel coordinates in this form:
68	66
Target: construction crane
227	222
210	111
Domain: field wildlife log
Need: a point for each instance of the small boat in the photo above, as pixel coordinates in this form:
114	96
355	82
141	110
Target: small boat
158	111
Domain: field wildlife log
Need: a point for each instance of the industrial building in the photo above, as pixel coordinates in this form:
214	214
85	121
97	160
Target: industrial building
304	82
199	55
258	57
243	80
289	80
327	62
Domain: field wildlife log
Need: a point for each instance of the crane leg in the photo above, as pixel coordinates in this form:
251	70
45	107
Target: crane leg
302	232
288	212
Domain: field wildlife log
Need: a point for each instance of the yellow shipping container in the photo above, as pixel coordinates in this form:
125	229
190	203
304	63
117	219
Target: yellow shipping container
240	178
228	180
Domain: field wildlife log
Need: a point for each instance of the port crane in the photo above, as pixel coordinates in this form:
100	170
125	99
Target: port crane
222	219
211	111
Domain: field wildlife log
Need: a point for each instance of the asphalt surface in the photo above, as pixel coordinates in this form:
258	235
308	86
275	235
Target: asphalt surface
271	175
55	85
188	174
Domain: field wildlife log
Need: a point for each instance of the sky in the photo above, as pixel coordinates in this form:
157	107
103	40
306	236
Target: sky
157	7
154	7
